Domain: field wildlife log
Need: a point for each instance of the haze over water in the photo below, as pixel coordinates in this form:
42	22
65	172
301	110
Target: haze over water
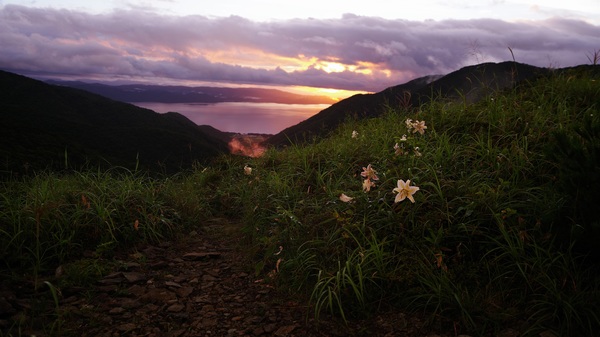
241	117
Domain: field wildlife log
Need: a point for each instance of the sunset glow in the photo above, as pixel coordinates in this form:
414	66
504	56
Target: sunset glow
334	49
249	57
335	94
331	67
348	52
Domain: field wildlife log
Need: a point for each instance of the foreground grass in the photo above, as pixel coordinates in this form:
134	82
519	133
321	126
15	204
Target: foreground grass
501	233
73	223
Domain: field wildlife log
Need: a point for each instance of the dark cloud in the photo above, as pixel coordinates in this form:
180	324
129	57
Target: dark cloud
142	44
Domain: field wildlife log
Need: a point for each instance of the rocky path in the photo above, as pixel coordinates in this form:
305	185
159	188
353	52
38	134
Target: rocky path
202	286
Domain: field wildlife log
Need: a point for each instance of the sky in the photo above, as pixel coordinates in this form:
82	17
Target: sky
334	47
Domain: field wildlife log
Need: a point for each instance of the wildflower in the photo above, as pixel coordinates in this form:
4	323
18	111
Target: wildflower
399	149
280	250
85	202
354	134
369	173
419	126
403	139
409	123
439	257
404	191
345	198
367	184
247	170
416	151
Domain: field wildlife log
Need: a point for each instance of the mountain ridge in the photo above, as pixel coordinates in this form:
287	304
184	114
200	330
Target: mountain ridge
47	126
134	93
469	83
52	126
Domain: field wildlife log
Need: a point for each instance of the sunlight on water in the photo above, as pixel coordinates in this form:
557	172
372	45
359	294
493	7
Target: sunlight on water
267	118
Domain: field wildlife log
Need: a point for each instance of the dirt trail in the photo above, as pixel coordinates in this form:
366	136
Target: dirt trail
202	285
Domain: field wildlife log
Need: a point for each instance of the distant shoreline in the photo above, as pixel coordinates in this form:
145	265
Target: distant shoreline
240	117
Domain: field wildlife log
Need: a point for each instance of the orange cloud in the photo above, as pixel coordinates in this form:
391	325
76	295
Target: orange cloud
335	94
248	57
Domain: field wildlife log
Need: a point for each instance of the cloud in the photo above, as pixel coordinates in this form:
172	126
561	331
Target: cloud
352	52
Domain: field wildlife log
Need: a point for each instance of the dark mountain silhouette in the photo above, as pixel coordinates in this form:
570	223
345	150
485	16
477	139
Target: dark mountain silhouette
182	94
469	83
49	126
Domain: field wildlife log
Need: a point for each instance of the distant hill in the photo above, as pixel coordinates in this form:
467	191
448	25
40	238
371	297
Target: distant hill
44	125
468	83
183	94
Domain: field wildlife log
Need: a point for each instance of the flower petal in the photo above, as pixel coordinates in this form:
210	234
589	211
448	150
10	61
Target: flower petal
345	198
404	190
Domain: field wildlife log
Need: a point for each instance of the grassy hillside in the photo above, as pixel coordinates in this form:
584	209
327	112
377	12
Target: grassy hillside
503	225
481	215
468	84
45	126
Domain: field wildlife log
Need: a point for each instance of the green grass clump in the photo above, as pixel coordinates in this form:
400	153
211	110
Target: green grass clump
52	218
75	222
500	229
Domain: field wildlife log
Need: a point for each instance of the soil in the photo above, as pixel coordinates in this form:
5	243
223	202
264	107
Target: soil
201	285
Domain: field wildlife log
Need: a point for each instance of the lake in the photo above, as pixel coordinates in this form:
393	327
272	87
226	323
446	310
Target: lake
241	117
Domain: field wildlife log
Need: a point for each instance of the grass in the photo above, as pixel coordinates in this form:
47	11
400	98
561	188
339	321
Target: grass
501	234
497	179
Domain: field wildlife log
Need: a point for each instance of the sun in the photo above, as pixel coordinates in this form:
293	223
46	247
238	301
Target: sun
331	67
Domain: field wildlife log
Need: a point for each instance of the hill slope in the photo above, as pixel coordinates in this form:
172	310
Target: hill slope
472	83
44	125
